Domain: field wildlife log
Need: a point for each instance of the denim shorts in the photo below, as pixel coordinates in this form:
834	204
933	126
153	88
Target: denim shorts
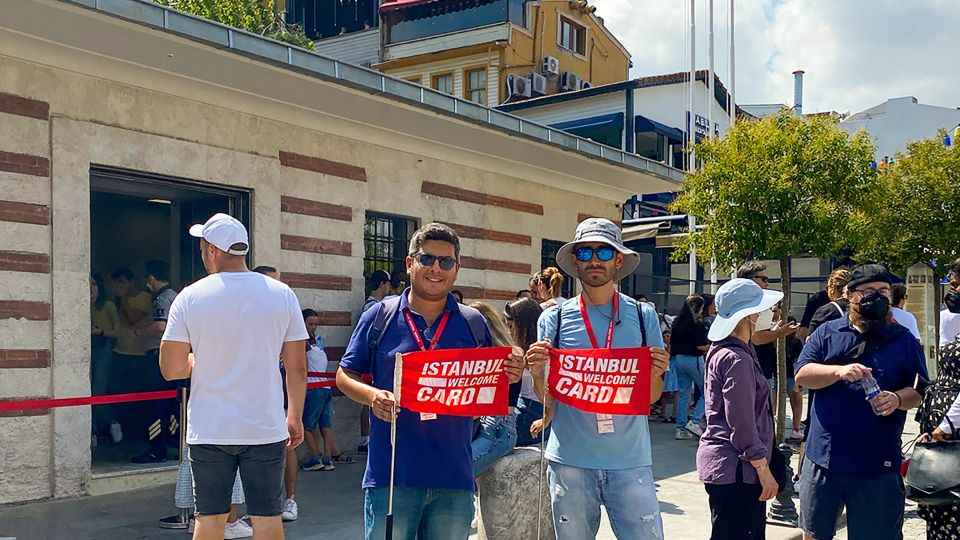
874	503
214	470
318	408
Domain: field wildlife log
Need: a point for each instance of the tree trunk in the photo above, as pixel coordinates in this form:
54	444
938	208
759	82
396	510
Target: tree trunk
781	418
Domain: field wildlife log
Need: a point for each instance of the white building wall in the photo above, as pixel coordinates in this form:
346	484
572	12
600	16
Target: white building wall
667	104
588	107
899	121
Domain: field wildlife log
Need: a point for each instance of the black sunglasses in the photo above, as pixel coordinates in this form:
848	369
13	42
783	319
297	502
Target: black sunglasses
426	259
585	253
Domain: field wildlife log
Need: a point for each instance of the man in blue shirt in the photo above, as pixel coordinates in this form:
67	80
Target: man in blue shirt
599	459
853	447
433	495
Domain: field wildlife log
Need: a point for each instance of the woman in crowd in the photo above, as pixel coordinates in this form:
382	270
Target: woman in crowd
104	322
735	449
318	405
521	317
498	434
837	308
688	343
668	399
941	408
547	287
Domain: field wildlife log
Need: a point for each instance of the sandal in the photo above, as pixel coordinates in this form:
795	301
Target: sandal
342	458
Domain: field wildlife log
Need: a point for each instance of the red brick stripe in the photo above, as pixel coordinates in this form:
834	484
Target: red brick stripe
19	212
323	166
22	309
24	358
334	318
317	281
495	265
20	412
293	205
24	164
487	294
477	233
306	244
476	197
22	106
18	261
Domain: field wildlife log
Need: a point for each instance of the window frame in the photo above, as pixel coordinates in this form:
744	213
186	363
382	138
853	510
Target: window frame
395	246
468	89
573	24
437	76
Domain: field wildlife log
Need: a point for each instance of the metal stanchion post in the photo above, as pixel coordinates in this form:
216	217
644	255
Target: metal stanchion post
180	520
783	511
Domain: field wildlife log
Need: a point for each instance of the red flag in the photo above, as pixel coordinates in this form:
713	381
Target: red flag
457	382
603	381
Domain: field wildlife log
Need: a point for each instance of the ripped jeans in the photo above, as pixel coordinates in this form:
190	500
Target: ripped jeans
628	494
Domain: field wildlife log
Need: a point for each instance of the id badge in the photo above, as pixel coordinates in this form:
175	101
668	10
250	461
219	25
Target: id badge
427	416
605	423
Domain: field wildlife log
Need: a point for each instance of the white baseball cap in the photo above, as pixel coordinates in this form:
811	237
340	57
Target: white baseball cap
223	231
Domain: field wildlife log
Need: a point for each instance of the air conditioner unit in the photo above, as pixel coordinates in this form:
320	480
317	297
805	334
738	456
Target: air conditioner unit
569	81
538	85
550	64
584	85
518	86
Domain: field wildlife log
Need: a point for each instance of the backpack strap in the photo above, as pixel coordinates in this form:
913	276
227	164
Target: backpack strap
839	309
643	325
478	325
556	337
386	313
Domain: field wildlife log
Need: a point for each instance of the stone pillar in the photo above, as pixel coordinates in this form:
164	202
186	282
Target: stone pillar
509	501
923	304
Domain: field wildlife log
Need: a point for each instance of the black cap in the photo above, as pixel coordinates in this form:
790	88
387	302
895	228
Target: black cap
378	277
868	273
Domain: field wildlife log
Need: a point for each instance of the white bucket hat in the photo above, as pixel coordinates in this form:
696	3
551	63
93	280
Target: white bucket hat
736	299
598	230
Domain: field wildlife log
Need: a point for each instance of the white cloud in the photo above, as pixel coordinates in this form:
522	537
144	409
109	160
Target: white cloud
856	53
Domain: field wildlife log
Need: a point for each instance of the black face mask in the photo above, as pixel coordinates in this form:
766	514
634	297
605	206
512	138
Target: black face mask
874	307
952	300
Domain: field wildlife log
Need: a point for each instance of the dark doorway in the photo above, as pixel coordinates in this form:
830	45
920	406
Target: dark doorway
135	218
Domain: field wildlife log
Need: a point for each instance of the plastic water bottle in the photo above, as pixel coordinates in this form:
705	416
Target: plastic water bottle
871	389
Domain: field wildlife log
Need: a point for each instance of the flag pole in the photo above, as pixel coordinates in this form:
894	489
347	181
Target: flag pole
543	430
397	384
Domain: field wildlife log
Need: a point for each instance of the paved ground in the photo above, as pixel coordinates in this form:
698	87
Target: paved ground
331	506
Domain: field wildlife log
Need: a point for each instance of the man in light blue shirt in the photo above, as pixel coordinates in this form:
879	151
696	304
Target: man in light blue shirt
600	459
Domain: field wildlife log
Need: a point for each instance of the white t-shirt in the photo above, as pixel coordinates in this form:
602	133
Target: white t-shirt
316	361
949	326
906	320
236	323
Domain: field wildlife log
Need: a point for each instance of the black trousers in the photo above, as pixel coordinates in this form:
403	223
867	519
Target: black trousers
736	511
162	413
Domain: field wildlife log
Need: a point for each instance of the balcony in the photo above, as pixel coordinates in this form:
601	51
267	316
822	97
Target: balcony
411	20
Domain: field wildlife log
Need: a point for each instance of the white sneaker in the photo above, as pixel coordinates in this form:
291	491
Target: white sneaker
682	434
290	511
115	432
240	529
694	428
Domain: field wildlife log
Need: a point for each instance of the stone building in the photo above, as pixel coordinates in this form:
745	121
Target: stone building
121	122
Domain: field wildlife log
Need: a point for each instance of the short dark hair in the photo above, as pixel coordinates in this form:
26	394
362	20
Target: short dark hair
522	292
435	231
750	269
158	269
264	269
379	277
898	291
458	293
641	298
121	273
396	279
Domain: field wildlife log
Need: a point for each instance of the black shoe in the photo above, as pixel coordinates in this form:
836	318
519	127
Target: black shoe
148	457
361	449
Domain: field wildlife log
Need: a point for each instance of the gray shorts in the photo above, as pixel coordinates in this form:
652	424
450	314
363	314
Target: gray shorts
874	503
215	467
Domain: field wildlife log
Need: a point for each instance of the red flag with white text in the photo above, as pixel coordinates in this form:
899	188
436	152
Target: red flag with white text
602	381
456	382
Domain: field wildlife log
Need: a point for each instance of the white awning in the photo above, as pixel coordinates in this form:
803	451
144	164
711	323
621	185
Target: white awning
641	231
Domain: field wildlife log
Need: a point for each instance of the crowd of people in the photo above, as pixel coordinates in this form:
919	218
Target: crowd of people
713	372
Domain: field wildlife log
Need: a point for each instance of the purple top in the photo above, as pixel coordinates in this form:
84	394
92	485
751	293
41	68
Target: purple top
739	425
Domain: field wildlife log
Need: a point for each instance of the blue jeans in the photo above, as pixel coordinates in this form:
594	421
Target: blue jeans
497	437
529	411
628	494
689	373
418	513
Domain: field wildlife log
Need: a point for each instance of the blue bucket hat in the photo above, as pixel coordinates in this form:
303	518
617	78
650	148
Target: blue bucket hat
736	299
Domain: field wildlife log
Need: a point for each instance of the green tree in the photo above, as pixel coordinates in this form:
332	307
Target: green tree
916	206
776	188
256	16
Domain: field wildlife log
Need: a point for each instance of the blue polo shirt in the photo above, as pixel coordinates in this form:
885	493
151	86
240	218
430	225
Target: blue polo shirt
430	453
845	435
575	439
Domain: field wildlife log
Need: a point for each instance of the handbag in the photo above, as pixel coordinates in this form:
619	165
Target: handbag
933	476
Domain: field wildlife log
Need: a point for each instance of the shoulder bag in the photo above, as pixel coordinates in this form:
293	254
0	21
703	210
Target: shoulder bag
933	476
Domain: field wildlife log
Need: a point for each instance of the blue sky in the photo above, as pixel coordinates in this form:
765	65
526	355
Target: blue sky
856	53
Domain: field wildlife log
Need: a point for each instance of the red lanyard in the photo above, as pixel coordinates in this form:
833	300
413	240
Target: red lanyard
613	318
416	332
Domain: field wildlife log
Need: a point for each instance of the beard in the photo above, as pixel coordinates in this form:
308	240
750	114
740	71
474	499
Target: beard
597	279
864	325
